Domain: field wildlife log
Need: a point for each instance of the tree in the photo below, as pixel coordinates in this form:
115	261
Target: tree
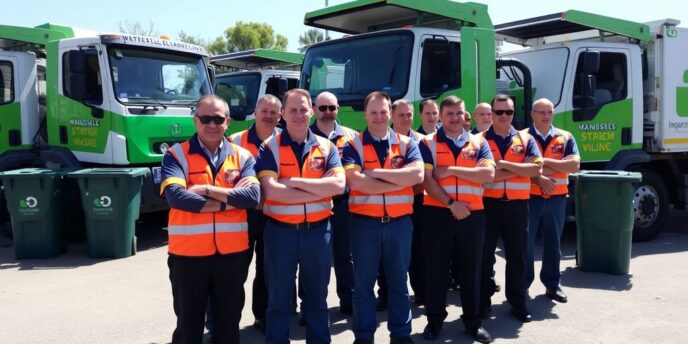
310	37
191	39
136	28
247	36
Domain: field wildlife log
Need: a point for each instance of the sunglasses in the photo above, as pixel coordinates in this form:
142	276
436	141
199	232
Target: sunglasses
215	119
323	108
503	112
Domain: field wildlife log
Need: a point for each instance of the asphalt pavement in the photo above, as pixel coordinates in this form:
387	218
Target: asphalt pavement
74	299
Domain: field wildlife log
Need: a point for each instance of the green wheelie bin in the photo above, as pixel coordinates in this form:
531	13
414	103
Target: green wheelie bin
38	200
111	199
604	219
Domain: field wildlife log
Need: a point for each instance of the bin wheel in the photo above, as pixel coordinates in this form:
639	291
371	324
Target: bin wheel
133	246
650	206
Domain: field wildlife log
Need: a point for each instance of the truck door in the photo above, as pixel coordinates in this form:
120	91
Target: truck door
602	120
18	99
83	122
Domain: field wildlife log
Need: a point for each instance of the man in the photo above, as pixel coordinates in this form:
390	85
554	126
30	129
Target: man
326	108
208	183
506	206
268	111
402	119
457	164
428	116
483	117
381	169
548	196
467	121
299	173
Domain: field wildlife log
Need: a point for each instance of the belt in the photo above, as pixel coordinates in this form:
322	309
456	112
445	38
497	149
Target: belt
381	219
302	225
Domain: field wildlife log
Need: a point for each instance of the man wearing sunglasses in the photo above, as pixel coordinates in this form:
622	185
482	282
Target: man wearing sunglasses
209	183
506	206
326	109
299	172
548	196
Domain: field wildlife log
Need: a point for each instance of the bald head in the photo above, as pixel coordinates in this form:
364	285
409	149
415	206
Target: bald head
483	116
326	107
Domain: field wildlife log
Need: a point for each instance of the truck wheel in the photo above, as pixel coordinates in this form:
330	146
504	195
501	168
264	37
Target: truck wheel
650	205
133	246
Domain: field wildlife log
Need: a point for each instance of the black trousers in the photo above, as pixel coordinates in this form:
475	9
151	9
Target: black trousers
256	228
445	235
194	280
510	220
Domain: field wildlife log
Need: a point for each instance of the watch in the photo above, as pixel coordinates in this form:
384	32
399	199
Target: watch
451	201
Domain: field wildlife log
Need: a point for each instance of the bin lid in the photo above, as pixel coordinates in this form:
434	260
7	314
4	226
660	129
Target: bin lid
611	176
109	172
36	172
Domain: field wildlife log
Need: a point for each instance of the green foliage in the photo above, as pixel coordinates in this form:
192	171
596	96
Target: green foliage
191	39
136	28
310	37
247	36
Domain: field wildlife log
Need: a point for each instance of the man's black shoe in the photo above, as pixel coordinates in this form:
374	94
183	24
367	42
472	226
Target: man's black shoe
363	341
346	309
431	331
557	295
521	314
259	324
401	340
302	319
381	304
480	335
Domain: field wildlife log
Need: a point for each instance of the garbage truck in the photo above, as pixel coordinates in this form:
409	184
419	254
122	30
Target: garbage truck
75	98
620	87
259	72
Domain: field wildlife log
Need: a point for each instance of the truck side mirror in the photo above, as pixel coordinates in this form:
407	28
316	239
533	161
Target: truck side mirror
589	90
211	75
591	62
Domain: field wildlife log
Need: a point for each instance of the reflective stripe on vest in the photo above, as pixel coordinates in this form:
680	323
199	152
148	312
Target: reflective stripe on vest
394	204
515	187
554	150
314	166
204	234
456	188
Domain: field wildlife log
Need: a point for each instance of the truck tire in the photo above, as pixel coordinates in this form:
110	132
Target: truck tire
650	205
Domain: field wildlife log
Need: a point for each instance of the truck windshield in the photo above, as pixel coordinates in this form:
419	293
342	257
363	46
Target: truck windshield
144	76
240	91
353	67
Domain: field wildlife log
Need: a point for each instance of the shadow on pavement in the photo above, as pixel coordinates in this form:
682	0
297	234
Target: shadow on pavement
149	234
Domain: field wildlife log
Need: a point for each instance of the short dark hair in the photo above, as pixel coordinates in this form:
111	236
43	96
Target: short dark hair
399	102
377	94
211	98
425	102
450	101
499	98
297	91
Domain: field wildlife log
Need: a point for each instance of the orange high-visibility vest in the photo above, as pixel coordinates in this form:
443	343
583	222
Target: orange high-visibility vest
554	150
349	134
204	234
458	189
394	204
514	187
241	139
288	166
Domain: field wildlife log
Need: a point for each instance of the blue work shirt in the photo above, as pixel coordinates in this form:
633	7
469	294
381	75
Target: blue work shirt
532	150
351	158
266	160
484	154
570	149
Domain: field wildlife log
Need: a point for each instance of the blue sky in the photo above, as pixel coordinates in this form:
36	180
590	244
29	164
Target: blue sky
286	17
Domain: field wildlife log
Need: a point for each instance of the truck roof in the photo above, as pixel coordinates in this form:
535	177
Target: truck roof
258	59
372	15
13	36
527	32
